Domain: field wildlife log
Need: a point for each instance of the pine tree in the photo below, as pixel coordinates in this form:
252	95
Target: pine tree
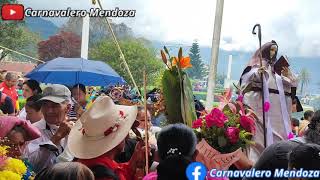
198	70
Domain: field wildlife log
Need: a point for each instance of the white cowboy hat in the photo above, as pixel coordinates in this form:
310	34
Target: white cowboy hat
101	128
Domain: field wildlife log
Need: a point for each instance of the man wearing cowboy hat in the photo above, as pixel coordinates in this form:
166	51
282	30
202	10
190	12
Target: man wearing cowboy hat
54	128
99	136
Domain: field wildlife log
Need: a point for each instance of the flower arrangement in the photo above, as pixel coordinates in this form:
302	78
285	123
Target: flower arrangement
228	127
177	89
12	168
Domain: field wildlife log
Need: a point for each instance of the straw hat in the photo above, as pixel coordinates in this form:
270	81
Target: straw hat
101	128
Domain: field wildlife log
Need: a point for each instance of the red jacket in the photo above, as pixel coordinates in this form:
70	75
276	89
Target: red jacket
121	169
11	92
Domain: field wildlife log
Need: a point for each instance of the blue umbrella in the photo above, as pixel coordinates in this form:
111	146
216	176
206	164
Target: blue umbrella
71	71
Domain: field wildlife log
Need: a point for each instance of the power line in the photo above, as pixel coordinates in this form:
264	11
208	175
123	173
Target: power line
118	47
22	54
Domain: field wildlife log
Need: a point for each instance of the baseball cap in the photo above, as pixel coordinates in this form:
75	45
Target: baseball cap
56	93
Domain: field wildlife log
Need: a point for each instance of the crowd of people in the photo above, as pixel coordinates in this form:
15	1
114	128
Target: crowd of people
82	133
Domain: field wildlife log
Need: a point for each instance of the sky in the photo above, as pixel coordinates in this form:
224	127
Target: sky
294	24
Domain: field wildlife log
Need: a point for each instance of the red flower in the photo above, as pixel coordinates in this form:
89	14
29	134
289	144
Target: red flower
121	113
216	118
232	134
197	123
248	124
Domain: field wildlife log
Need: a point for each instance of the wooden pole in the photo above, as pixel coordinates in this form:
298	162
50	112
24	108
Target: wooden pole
146	121
85	36
262	85
214	54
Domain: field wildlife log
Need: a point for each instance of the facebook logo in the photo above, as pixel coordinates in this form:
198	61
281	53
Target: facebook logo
196	171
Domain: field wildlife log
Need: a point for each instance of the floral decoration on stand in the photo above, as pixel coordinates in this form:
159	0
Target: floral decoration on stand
229	127
226	129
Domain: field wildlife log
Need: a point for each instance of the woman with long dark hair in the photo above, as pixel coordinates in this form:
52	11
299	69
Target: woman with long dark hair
29	88
176	150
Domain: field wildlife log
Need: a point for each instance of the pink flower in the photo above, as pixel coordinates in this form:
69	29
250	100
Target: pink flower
225	99
248	124
232	134
290	135
216	118
197	123
266	107
240	98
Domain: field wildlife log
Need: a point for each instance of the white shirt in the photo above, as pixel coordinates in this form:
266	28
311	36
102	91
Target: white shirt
42	152
23	113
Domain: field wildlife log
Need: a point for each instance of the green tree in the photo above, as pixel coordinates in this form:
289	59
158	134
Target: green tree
98	29
137	55
30	47
16	36
220	80
304	78
198	70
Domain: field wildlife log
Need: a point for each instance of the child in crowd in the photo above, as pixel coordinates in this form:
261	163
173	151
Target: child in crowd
294	126
307	116
33	109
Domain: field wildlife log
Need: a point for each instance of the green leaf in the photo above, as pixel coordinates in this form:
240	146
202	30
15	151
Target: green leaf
248	142
180	54
172	96
242	134
164	58
222	141
166	50
187	101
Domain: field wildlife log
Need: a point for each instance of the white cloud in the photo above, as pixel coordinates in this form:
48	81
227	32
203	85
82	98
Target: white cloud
294	24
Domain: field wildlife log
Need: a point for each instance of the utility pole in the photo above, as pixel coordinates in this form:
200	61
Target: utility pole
85	37
214	54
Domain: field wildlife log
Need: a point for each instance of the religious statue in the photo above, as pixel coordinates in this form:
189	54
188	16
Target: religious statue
275	88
